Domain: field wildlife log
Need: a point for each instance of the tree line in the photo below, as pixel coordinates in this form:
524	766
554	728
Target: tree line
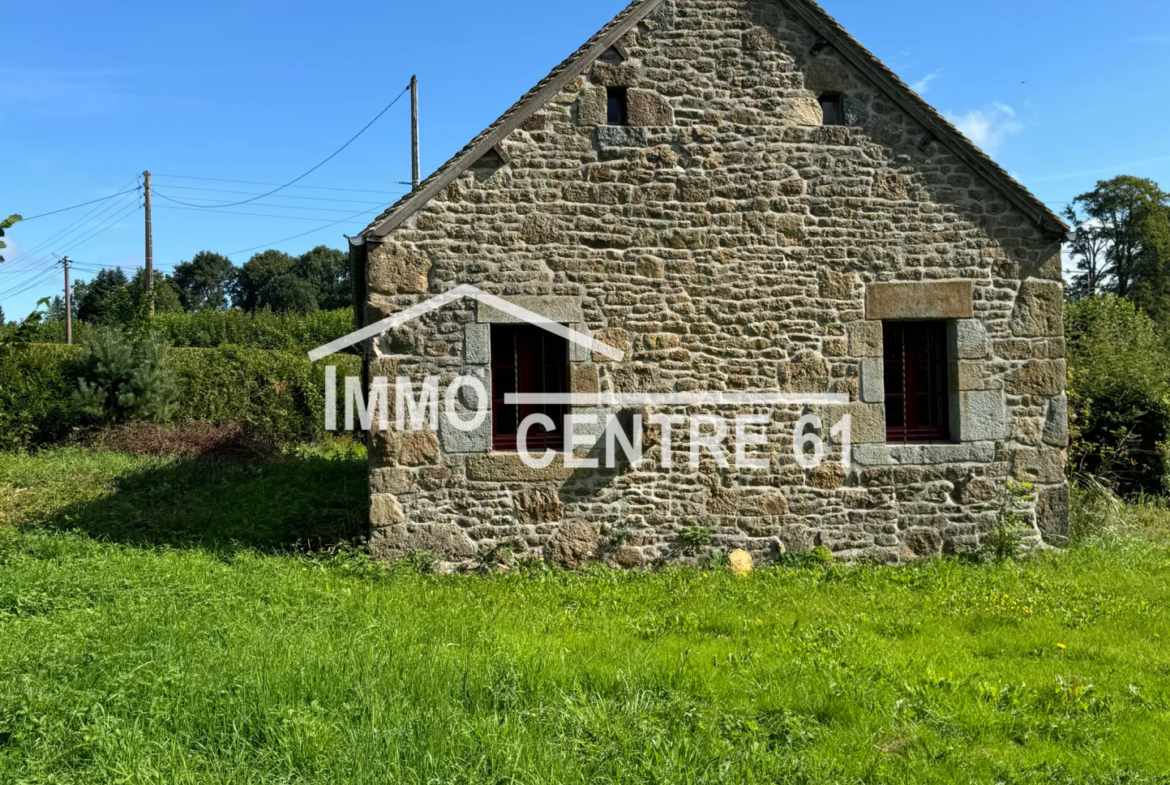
270	281
1120	243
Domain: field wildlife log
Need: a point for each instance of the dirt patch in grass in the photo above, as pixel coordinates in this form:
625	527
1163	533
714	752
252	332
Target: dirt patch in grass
224	441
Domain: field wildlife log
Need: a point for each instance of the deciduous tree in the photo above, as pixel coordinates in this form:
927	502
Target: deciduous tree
1125	215
327	271
249	281
203	281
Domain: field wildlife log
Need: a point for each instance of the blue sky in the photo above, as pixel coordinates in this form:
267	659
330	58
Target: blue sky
1061	93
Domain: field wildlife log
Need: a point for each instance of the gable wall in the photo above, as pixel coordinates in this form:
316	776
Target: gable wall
727	241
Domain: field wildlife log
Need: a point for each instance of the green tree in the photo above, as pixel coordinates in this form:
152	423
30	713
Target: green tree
1151	288
7	223
2	321
124	379
327	271
56	310
1126	214
1119	395
255	274
203	281
104	300
288	294
1089	249
167	298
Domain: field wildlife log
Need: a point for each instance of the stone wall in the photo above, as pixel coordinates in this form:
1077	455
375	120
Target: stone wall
727	241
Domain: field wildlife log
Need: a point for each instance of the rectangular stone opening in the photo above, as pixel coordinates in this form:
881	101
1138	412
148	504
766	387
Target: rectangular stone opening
832	109
527	359
917	388
618	101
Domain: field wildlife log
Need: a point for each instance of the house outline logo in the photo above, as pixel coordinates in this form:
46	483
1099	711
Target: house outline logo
458	293
804	439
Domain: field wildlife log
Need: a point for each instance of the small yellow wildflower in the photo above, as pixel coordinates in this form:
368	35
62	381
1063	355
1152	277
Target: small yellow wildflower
704	575
1061	646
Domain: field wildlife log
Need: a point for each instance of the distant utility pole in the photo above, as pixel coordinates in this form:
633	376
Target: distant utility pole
68	303
414	132
149	247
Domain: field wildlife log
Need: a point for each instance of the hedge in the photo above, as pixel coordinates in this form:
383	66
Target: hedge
281	393
261	330
209	329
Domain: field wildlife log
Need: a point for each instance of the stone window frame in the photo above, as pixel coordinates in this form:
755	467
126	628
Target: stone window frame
978	406
978	409
477	357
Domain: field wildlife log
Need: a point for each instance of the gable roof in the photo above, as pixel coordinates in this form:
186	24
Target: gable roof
813	15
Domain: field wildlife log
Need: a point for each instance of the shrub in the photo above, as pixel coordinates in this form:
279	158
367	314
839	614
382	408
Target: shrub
36	387
1007	536
694	538
121	379
280	394
208	329
1119	395
262	330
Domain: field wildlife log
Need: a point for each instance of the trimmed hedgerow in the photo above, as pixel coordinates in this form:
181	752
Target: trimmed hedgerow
262	330
37	382
282	394
208	329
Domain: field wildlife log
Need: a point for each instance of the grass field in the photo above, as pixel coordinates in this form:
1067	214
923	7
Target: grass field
169	621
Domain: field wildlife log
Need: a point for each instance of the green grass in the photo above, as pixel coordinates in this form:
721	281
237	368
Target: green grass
134	648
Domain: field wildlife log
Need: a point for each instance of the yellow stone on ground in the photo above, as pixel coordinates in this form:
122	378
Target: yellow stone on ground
741	562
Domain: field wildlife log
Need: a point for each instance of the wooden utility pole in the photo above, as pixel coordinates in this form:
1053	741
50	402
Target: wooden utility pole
149	246
68	303
415	172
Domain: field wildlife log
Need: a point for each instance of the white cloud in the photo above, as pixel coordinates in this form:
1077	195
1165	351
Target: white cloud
988	127
923	84
13	250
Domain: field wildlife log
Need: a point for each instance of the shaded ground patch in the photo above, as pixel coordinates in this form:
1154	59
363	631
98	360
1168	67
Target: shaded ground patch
310	500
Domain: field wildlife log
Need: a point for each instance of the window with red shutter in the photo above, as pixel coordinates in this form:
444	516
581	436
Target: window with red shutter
527	359
917	390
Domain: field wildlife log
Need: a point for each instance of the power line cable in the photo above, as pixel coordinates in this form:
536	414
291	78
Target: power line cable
78	242
27	285
315	168
253	215
299	187
352	218
302	198
88	231
74	207
25	253
276	206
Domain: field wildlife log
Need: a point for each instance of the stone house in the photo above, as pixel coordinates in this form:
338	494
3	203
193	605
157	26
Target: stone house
741	198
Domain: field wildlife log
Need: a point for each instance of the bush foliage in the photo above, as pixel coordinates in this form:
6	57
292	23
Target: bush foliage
285	332
1119	395
208	329
282	394
123	379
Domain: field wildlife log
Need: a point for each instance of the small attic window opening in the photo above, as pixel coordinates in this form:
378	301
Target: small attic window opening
619	107
833	109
